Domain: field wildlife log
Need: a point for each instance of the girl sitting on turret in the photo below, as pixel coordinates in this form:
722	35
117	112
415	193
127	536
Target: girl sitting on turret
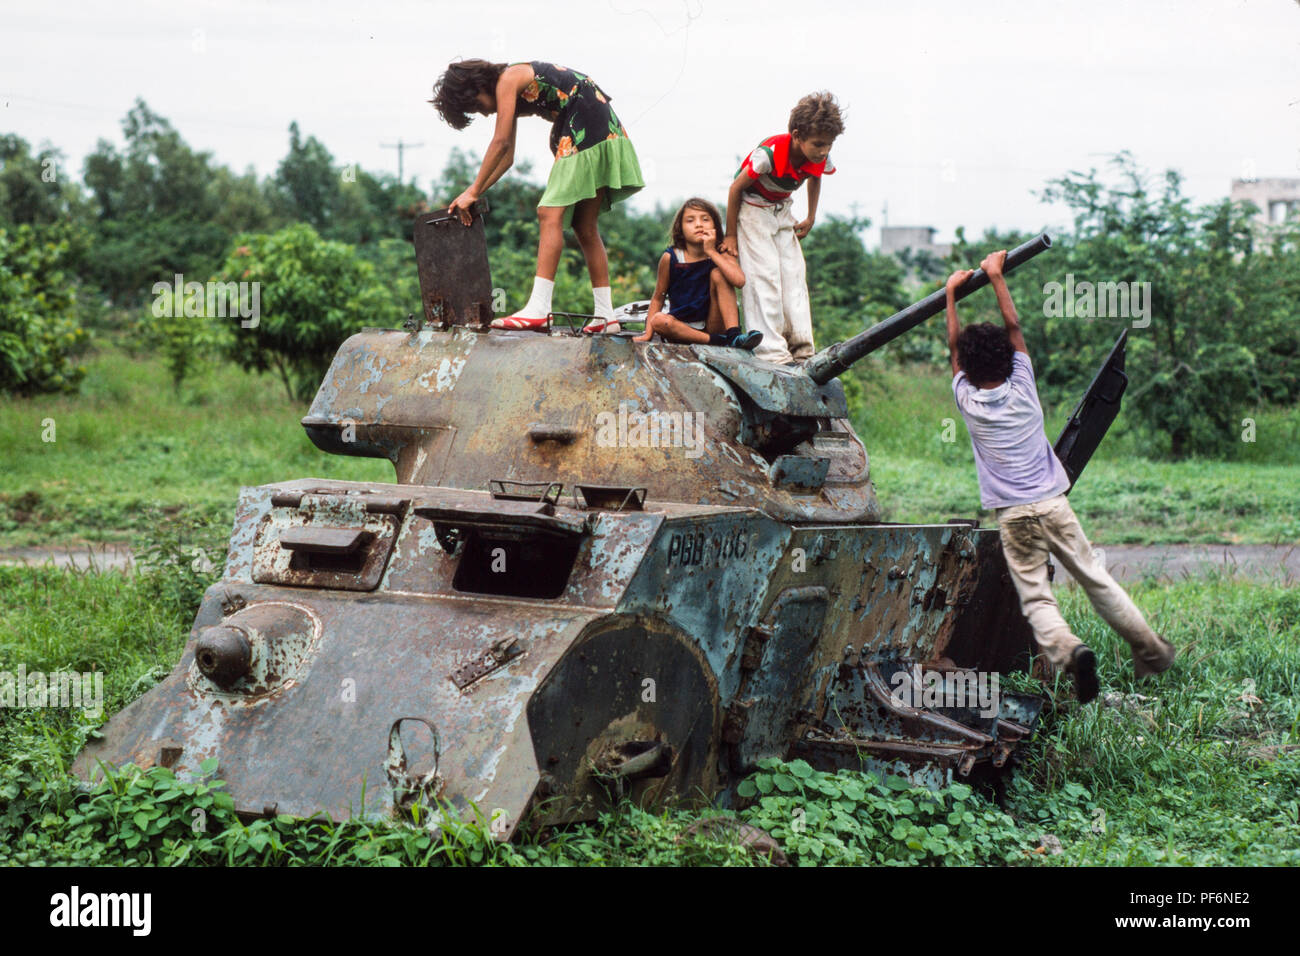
700	283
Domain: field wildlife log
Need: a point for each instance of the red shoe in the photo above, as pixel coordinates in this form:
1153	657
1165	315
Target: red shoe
519	322
602	325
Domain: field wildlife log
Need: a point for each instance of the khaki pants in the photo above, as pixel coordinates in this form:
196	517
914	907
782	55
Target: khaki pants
1029	533
775	293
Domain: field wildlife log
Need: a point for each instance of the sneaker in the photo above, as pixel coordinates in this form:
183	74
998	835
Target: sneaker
519	322
747	340
1149	663
1083	665
602	326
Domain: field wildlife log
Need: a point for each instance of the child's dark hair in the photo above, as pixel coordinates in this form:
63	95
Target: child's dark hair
985	353
817	113
455	95
695	202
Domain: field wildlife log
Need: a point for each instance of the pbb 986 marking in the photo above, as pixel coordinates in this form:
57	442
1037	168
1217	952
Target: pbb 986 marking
702	549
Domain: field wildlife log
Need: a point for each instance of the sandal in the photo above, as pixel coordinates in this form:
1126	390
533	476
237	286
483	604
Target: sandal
602	325
519	322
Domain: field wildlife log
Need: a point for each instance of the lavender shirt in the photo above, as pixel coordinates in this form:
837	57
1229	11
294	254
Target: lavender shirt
1014	461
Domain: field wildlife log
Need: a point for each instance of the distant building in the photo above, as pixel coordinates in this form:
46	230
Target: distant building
915	250
1277	199
894	239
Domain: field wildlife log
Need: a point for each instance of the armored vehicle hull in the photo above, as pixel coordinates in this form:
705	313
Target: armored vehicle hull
662	653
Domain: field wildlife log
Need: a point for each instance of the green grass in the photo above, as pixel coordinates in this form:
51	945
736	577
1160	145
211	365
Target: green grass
128	442
128	447
1190	774
1182	775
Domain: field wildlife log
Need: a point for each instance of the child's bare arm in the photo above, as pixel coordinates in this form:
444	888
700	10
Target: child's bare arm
724	261
502	147
728	265
499	155
733	211
992	266
656	300
661	287
954	326
814	194
503	166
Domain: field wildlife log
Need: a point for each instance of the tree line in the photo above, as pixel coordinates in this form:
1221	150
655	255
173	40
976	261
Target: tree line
330	247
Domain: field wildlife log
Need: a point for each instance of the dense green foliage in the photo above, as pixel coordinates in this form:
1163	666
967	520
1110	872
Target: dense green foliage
313	294
32	192
1217	337
39	333
856	819
155	208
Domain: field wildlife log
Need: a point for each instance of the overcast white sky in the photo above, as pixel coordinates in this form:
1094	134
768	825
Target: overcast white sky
956	109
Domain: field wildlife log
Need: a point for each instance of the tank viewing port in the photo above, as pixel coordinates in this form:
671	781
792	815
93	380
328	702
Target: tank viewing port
532	566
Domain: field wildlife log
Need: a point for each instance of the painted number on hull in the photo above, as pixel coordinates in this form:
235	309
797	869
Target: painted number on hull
700	548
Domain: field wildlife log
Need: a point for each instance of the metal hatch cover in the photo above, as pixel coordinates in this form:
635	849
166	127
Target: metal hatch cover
1092	417
452	264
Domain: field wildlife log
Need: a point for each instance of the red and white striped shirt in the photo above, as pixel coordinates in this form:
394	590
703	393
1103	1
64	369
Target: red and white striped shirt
774	177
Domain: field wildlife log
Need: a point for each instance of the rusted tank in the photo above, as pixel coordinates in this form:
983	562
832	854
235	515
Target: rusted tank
602	568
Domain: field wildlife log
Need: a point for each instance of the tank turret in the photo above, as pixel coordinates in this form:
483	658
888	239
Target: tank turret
703	425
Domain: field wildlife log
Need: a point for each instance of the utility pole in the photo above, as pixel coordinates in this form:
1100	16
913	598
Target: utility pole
400	147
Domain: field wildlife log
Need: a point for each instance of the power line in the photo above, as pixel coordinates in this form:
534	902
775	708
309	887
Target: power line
400	147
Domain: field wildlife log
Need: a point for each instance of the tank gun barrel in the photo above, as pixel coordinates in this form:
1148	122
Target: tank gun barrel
833	361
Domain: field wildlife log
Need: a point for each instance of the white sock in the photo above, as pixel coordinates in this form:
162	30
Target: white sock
539	303
604	307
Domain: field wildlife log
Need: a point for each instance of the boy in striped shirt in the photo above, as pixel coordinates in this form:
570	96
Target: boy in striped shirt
762	231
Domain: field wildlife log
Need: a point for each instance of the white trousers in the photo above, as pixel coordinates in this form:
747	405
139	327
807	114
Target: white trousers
775	294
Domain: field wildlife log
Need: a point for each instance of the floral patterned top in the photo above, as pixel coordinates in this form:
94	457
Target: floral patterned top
579	110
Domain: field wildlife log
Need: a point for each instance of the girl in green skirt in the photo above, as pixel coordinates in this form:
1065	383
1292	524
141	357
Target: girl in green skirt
595	164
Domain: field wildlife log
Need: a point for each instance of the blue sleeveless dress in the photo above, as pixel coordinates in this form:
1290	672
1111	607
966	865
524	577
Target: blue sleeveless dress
688	289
